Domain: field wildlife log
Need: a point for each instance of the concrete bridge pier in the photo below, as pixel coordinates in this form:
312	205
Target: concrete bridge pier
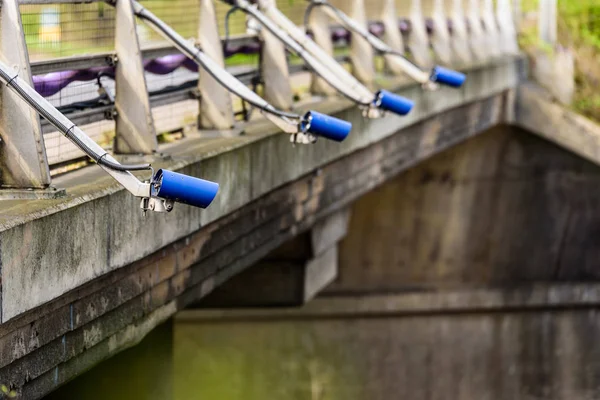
469	275
462	278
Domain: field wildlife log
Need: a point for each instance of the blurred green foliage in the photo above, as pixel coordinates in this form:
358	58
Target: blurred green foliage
578	29
580	22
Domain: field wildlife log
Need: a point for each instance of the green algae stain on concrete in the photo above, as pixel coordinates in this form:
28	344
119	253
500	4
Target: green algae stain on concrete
264	360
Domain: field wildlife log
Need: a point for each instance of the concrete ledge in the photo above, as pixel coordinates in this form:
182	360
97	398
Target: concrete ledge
50	247
464	301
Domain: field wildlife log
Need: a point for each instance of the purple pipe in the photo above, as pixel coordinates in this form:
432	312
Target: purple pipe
377	29
404	25
248	49
167	64
52	83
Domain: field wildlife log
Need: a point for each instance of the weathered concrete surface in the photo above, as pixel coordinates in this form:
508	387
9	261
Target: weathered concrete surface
289	276
142	372
44	348
526	343
48	248
539	113
462	278
503	208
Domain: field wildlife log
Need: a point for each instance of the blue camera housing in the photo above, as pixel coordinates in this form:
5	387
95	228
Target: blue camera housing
393	103
185	189
448	77
326	126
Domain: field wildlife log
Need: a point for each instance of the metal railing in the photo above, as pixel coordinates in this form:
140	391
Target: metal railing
71	45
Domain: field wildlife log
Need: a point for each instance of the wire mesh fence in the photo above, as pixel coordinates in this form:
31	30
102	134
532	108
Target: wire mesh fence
68	29
182	15
60	30
55	31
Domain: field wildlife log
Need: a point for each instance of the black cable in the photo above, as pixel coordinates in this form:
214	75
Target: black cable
342	18
11	82
247	112
308	11
269	109
226	41
102	100
341	91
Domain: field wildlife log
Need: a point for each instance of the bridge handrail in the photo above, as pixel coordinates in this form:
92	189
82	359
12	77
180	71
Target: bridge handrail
247	43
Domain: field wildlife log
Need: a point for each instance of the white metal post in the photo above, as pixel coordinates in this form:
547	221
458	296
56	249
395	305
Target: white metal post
361	51
275	72
216	109
23	162
460	35
547	21
418	40
507	28
492	35
476	35
318	24
440	40
135	133
393	37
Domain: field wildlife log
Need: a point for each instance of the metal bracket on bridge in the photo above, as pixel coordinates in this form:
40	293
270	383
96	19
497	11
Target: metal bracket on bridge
216	109
275	72
506	24
460	36
361	51
440	38
392	36
477	40
135	132
418	40
23	162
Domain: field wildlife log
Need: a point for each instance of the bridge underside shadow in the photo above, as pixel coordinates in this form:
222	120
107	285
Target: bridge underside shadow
462	278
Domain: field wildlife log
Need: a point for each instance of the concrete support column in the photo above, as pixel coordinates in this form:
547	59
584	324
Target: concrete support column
490	28
460	36
440	39
216	109
361	52
23	162
135	133
275	72
477	40
392	35
318	24
418	40
507	29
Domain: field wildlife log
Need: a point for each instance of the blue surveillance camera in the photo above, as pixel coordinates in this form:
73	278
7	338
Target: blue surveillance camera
393	103
447	77
185	189
325	126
